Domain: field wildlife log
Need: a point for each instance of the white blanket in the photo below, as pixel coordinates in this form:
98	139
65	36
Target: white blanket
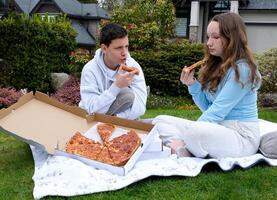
63	176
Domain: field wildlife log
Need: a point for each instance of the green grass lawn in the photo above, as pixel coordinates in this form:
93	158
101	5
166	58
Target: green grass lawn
258	182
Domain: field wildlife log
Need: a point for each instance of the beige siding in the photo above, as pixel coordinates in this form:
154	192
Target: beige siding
262	37
259	16
261	28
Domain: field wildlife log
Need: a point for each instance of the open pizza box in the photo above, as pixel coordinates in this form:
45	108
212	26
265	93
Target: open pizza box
44	122
147	155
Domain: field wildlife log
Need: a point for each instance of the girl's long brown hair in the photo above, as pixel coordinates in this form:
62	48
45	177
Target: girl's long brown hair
232	29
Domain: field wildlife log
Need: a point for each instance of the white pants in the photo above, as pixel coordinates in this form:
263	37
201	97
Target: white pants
228	139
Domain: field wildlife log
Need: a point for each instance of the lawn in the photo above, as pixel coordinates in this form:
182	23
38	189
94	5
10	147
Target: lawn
258	182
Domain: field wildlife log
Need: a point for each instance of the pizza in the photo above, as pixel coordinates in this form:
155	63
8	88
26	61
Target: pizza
83	146
114	152
195	65
105	131
130	69
123	147
104	156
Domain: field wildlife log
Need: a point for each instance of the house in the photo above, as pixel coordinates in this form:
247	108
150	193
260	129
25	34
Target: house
85	18
3	8
260	17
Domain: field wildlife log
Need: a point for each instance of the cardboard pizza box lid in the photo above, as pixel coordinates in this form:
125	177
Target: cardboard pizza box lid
42	121
38	120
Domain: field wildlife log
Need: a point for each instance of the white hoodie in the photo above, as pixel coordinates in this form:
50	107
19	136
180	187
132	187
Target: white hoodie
98	90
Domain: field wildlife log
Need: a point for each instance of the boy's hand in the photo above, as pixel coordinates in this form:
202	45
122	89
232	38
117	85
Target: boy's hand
124	79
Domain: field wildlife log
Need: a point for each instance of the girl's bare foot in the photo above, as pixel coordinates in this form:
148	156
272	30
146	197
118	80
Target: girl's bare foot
175	144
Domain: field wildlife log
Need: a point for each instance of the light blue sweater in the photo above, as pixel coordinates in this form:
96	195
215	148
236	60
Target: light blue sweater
230	101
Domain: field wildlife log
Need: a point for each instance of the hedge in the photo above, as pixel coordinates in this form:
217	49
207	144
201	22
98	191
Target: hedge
162	67
32	48
268	68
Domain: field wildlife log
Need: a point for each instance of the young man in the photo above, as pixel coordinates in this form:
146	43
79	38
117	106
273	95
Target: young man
105	87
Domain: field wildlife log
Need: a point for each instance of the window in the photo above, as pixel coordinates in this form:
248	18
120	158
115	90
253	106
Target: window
49	17
181	27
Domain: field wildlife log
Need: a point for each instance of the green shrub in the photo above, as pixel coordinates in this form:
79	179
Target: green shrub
162	67
268	68
33	48
148	22
78	59
4	74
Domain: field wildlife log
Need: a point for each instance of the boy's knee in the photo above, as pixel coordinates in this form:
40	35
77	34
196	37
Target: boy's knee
123	101
127	98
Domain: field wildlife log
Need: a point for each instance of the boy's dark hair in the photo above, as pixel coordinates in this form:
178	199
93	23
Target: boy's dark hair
111	32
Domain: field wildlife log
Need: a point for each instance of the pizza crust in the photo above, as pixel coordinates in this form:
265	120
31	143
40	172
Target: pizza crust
130	69
123	147
195	65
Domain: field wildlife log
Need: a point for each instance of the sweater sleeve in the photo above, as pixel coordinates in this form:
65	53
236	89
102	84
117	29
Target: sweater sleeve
138	86
228	97
198	96
92	100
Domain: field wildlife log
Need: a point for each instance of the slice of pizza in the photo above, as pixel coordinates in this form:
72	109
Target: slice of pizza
105	131
92	151
130	69
83	146
78	139
195	65
104	156
123	147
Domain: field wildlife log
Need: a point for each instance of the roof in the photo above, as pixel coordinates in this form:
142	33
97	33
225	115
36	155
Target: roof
26	6
259	5
74	7
83	37
94	10
70	7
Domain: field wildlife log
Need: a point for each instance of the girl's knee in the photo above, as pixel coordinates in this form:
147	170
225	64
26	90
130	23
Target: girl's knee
159	119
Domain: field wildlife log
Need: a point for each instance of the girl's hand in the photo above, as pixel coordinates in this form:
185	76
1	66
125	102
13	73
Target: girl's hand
187	77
